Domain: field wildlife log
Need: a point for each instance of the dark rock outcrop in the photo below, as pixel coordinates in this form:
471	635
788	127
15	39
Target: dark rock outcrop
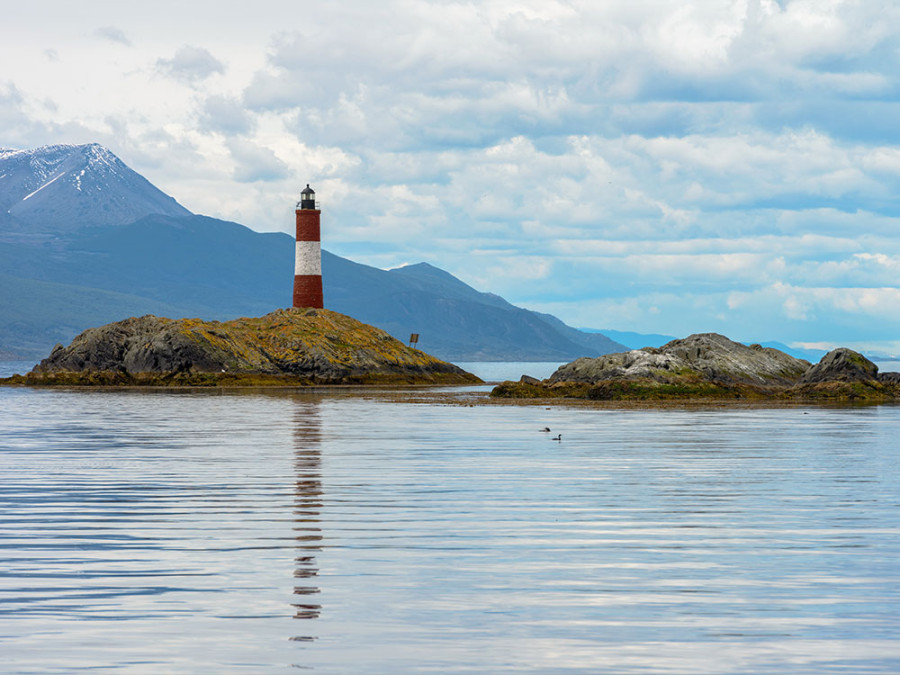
289	346
709	365
708	356
844	373
841	365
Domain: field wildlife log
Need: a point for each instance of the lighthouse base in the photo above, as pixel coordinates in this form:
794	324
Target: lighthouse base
308	291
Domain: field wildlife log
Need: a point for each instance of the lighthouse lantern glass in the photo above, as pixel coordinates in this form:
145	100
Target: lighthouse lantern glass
307	198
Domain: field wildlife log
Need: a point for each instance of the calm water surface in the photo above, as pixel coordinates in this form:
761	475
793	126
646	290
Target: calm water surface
497	371
210	532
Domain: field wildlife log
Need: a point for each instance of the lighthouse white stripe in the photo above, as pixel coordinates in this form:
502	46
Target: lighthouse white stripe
308	258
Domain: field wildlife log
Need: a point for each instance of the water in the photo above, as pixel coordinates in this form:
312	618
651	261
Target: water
498	371
8	368
373	532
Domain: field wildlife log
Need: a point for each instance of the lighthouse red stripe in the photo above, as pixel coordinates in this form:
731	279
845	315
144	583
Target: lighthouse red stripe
308	290
307	225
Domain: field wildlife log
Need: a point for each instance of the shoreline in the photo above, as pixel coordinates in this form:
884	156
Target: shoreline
467	395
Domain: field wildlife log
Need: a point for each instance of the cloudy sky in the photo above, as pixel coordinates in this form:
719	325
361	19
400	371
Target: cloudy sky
658	166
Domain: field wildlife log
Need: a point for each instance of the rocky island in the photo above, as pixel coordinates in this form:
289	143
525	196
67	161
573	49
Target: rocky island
710	366
286	347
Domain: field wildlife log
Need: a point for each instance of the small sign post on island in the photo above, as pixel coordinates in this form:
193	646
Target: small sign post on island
413	339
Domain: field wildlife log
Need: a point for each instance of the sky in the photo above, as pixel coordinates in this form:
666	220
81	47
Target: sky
657	166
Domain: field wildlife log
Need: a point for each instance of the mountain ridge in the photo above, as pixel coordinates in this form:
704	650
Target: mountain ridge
182	264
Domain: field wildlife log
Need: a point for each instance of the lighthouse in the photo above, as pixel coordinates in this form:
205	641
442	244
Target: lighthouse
308	257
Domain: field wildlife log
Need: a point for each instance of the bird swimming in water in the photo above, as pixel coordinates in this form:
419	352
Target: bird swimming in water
547	429
557	438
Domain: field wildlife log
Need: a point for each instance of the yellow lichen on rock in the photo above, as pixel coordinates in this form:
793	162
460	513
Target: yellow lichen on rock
287	346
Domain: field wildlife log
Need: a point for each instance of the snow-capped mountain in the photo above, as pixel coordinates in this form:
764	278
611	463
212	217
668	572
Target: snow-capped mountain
60	188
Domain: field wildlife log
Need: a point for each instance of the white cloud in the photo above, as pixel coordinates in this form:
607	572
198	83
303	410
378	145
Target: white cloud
14	115
113	34
255	163
191	64
226	115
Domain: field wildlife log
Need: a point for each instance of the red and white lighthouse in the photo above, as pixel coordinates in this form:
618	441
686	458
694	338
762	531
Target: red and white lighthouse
308	258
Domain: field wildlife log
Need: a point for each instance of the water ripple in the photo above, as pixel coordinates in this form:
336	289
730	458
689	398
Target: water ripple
153	531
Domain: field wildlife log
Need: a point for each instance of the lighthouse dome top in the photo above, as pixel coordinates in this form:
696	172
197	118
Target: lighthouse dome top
307	198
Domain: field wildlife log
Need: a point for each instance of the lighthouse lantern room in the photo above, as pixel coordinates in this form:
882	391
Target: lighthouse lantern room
308	258
307	198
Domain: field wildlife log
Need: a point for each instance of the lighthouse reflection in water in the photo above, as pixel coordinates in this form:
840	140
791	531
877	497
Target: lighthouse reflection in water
307	509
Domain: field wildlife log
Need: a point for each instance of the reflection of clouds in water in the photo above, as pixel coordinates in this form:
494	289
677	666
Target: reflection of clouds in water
307	507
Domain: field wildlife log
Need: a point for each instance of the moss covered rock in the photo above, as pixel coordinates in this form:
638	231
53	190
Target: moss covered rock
704	356
710	366
288	346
